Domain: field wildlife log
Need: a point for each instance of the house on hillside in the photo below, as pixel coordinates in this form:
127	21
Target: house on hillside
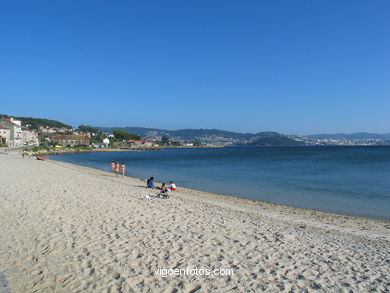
52	130
47	130
30	137
71	140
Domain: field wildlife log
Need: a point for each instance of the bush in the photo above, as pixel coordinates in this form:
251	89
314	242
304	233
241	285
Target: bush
37	149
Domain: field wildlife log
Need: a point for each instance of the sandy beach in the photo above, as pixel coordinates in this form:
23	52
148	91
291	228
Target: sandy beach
66	228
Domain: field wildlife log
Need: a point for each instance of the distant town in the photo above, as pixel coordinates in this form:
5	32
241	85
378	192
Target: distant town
343	141
35	132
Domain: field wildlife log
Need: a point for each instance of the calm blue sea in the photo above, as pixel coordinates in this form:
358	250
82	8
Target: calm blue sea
345	180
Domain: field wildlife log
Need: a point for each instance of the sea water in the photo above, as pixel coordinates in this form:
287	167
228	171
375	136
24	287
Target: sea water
345	180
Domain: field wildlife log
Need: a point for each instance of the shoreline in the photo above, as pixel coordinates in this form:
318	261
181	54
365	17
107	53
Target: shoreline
248	199
97	150
234	201
8	150
70	228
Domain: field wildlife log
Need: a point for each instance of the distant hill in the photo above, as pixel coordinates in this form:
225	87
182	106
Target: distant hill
211	136
37	122
273	139
181	133
357	135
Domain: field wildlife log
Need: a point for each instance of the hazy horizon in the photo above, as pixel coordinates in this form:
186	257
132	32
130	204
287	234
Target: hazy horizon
324	133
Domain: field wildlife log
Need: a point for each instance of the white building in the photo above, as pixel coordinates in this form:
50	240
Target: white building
5	136
106	142
18	137
16	133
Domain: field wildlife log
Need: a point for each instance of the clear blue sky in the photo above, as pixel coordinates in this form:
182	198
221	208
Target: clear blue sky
295	67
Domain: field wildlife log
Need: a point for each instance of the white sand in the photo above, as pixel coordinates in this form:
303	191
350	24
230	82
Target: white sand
66	228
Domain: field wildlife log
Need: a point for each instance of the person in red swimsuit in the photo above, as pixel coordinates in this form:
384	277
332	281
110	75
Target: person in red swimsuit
123	169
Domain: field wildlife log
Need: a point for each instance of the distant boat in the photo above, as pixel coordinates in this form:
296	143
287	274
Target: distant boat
41	159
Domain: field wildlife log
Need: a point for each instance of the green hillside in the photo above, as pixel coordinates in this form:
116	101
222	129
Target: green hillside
273	139
37	122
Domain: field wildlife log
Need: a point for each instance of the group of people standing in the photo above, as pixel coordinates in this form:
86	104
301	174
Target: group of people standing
116	168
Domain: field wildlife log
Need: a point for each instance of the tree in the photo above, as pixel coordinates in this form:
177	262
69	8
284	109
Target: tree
165	139
90	129
176	143
197	143
124	135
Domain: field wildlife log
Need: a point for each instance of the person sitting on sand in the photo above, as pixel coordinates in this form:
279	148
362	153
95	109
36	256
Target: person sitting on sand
123	169
172	186
116	169
150	183
163	191
164	188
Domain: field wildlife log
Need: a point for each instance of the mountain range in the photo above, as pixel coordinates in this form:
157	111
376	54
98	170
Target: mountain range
190	134
236	138
211	136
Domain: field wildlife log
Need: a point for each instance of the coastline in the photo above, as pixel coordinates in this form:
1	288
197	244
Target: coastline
246	201
270	209
361	192
65	150
76	228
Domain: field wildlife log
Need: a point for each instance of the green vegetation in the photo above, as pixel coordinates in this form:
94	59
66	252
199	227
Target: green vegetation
35	123
175	143
165	140
77	147
124	135
197	143
38	149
